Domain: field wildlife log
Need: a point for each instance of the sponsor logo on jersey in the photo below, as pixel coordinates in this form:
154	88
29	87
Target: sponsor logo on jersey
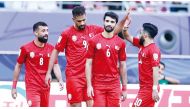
32	54
74	38
98	46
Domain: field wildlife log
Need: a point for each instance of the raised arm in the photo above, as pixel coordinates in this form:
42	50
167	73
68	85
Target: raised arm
121	24
126	35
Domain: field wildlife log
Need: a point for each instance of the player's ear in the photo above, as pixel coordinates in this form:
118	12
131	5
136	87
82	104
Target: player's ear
35	33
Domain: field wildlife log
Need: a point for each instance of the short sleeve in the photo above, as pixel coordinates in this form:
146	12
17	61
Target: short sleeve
91	48
136	42
122	52
97	29
155	56
22	55
61	43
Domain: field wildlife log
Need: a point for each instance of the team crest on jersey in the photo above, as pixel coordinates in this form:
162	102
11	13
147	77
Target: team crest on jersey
32	54
117	47
59	39
155	56
74	38
98	46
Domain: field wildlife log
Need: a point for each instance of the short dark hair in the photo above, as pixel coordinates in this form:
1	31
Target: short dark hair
151	29
162	64
78	11
112	15
36	25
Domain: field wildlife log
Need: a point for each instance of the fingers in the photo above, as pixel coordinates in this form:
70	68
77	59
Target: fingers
128	11
14	94
92	93
61	84
156	98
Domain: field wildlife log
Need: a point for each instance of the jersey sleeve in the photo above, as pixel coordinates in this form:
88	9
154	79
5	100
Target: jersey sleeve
136	42
122	52
22	55
62	41
155	57
98	29
91	48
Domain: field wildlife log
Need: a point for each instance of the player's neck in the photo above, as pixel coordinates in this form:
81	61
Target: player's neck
148	42
108	35
38	44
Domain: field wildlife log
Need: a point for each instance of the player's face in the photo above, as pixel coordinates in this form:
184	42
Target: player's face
42	34
109	24
80	22
141	39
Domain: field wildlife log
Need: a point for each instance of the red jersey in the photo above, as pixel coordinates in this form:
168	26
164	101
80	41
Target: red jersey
148	57
75	43
106	52
36	61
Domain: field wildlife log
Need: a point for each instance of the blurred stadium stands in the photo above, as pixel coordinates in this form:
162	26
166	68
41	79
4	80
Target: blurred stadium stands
172	19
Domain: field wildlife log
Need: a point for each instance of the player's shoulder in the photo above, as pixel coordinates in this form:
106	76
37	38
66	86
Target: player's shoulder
119	39
154	48
68	30
49	45
27	44
96	37
94	26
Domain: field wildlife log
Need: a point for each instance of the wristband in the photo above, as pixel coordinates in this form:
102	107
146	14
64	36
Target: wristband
14	84
124	88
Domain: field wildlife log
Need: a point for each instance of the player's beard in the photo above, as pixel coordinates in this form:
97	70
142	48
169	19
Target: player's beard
141	41
43	39
108	28
81	27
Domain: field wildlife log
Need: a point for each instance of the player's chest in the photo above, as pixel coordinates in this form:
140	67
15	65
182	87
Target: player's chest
107	47
143	55
39	57
80	40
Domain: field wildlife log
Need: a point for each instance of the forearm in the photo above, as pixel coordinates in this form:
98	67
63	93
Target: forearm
126	35
88	71
53	57
16	72
172	80
121	24
155	76
123	73
57	72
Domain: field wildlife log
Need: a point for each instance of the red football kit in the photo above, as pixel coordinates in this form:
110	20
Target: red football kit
148	57
105	54
36	61
75	44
